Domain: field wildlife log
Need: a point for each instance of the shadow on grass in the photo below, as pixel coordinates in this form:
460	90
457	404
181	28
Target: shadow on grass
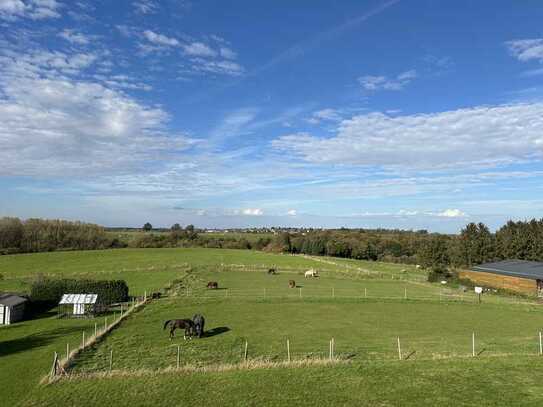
34	341
216	331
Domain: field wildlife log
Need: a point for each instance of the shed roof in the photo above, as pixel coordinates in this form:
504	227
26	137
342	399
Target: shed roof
78	299
11	300
532	270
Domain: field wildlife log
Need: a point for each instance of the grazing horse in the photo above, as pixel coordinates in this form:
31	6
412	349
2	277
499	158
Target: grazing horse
199	322
272	271
213	285
156	296
311	273
185	324
292	284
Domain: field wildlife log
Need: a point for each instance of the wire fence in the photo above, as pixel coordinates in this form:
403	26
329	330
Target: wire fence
469	345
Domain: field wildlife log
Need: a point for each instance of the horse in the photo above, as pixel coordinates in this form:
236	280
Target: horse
199	322
213	285
272	271
156	296
185	324
291	284
311	273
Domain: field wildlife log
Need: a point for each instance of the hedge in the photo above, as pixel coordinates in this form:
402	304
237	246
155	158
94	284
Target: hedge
50	291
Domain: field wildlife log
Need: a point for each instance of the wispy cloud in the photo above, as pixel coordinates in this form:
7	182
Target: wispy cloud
33	9
376	83
526	49
74	37
479	136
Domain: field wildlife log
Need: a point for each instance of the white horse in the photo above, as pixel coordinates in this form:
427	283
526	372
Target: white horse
311	273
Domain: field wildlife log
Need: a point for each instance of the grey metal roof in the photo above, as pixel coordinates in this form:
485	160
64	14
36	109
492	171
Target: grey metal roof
11	300
532	270
78	299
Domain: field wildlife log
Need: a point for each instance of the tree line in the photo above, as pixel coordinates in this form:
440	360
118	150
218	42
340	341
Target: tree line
41	235
475	243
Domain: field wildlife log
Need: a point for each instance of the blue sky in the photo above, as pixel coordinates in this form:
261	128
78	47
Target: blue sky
312	113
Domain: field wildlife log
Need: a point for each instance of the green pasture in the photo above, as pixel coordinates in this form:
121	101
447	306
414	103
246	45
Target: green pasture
467	382
365	312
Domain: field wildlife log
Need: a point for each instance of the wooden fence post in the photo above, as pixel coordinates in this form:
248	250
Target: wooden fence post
399	349
405	293
95	330
365	292
110	359
83	341
288	350
246	346
54	367
178	355
540	344
105	324
473	344
330	349
300	293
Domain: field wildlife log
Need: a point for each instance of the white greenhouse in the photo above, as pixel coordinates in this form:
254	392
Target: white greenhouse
77	305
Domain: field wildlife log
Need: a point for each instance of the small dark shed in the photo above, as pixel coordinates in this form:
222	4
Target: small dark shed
12	308
516	275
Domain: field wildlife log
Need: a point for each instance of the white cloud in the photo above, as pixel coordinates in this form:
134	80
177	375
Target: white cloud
478	136
292	212
324	115
33	9
252	212
526	50
199	49
218	67
74	37
55	124
452	213
227	53
159	39
375	83
145	6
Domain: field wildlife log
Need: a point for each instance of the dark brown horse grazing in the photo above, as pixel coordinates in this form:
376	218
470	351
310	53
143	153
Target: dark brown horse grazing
213	285
292	284
272	271
185	324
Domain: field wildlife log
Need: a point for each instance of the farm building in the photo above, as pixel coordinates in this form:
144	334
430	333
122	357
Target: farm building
77	305
12	308
515	275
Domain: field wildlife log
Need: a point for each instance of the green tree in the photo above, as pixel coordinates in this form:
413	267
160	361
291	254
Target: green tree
147	227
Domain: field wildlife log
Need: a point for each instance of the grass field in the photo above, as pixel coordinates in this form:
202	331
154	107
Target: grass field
364	312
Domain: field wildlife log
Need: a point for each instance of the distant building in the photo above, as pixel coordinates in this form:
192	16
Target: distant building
12	308
515	275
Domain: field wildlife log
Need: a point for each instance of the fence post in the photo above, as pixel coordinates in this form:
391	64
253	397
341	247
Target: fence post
330	349
405	293
540	344
54	367
365	292
67	351
473	344
246	346
105	324
399	349
110	359
178	355
95	330
300	292
83	341
288	350
264	292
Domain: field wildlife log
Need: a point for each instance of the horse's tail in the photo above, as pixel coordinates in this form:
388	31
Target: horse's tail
166	323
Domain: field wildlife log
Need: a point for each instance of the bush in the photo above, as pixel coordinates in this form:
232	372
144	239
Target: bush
48	292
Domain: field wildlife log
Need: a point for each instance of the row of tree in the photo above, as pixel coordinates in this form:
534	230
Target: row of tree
39	235
475	244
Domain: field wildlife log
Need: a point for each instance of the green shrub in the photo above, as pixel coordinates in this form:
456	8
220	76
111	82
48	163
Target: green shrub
48	292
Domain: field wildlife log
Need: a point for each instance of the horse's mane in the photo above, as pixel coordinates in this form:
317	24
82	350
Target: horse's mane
166	323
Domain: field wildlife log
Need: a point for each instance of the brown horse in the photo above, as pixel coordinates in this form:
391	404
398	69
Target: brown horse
213	285
272	271
292	284
185	324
